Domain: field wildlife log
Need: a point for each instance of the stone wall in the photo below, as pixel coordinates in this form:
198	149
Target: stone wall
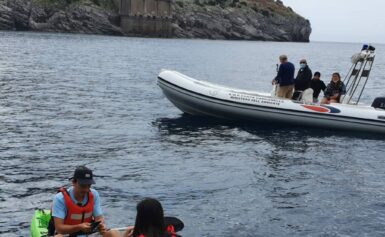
146	17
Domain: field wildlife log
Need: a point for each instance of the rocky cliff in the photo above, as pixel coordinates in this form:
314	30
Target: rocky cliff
211	19
239	19
59	16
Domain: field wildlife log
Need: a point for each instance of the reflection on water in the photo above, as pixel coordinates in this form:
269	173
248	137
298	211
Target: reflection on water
196	126
294	172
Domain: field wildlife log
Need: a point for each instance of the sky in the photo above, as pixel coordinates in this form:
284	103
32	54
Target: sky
360	21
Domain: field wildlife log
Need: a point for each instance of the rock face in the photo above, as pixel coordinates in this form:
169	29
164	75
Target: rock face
234	19
14	14
211	19
40	15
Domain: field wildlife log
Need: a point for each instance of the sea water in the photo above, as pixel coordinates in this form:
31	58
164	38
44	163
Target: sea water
69	100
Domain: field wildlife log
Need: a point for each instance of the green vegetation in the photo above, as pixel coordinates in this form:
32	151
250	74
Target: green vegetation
268	8
106	4
221	3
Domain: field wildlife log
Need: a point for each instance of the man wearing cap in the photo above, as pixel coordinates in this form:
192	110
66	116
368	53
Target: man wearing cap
285	78
76	207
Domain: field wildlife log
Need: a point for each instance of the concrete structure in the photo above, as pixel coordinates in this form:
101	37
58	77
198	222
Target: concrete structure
146	17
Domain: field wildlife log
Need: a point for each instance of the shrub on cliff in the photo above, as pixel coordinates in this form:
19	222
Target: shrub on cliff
106	4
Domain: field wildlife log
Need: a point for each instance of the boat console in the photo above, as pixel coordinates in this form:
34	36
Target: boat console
379	103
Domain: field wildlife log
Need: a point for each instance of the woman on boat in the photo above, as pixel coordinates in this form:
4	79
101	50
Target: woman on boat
150	222
334	90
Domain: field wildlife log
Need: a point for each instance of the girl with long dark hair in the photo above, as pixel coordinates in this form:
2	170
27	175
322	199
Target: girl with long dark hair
149	219
150	222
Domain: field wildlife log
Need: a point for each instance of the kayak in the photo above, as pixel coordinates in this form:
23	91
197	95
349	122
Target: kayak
41	218
40	222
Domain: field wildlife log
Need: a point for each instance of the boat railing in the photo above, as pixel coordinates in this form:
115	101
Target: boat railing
358	75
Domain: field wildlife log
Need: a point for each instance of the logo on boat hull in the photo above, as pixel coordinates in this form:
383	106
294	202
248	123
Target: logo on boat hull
323	108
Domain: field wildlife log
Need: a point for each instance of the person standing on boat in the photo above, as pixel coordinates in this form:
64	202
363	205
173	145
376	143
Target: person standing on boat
76	207
285	78
334	90
302	81
317	85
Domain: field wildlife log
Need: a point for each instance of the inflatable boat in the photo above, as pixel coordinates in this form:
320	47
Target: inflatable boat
202	98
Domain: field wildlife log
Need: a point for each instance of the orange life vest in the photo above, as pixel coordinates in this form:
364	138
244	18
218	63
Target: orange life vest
77	214
171	230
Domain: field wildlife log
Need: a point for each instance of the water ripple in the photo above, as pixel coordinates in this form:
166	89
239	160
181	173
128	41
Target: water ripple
69	100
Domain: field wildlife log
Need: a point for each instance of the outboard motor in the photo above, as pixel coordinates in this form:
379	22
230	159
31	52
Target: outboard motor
379	103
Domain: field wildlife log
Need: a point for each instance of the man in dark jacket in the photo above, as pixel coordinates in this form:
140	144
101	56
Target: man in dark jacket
302	81
285	78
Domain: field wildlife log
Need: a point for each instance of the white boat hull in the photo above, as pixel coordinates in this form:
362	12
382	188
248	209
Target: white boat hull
205	99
